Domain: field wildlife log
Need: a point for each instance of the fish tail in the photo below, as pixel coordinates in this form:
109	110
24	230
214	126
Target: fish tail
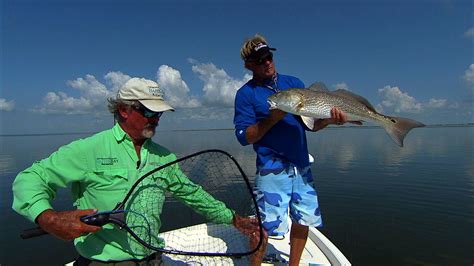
398	127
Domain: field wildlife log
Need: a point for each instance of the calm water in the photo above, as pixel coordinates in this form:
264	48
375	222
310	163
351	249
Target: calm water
381	204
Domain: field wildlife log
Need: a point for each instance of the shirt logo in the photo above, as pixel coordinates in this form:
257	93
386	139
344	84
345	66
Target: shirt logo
106	161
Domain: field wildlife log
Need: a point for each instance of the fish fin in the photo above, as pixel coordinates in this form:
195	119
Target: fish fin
348	94
308	121
318	86
399	127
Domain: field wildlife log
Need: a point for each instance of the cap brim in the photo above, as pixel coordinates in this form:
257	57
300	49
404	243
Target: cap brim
262	53
157	105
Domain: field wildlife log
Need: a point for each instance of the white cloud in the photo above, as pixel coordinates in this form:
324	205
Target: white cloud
341	86
469	33
219	88
116	80
469	75
210	113
60	102
176	90
6	105
454	105
92	95
394	98
90	88
89	94
436	103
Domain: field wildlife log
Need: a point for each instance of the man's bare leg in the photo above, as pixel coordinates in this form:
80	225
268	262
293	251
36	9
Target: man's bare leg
298	237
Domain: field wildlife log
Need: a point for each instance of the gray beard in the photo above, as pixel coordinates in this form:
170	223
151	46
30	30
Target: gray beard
148	133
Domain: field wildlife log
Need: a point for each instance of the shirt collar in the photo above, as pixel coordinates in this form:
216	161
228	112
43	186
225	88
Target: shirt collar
273	81
119	133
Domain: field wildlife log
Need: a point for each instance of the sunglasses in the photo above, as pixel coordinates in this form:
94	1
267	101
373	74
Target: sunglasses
262	61
146	112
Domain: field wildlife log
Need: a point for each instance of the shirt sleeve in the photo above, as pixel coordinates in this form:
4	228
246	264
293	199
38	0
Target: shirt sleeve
198	199
35	187
244	116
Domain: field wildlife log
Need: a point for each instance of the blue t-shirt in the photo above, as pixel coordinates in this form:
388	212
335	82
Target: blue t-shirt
286	140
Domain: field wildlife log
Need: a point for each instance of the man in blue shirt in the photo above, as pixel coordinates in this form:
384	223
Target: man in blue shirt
284	180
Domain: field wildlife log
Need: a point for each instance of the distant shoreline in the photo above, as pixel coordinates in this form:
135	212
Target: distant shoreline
215	129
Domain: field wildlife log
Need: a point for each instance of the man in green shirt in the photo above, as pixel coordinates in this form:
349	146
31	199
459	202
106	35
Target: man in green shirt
101	170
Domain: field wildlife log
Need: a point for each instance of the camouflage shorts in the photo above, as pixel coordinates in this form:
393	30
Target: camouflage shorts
283	189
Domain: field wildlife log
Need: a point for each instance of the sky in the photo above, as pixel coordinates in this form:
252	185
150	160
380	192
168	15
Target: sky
61	60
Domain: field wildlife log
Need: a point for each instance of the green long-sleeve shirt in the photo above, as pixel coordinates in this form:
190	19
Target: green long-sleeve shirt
101	170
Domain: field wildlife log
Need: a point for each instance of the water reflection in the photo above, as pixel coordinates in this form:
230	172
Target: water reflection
380	203
349	146
6	164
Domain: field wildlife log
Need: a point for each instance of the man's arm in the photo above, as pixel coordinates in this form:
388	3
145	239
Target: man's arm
194	196
247	129
35	188
256	131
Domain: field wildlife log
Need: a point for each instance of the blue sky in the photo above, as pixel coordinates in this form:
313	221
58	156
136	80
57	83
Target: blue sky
60	60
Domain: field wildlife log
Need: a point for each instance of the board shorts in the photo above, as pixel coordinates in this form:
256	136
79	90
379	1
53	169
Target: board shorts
282	189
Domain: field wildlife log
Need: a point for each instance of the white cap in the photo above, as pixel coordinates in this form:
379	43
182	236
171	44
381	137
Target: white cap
147	92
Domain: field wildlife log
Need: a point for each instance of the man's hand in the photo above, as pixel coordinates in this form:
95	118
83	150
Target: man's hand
338	117
66	225
249	226
246	225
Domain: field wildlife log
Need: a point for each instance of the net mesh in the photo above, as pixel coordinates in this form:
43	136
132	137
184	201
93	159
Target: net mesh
184	208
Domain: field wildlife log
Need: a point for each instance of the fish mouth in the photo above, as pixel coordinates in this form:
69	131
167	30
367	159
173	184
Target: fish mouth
273	104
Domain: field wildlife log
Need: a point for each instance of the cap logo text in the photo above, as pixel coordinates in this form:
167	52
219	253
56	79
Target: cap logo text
155	91
259	46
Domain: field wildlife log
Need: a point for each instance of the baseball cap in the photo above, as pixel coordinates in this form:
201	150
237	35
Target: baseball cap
147	92
261	50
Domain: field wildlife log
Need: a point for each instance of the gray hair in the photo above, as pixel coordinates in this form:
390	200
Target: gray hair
250	44
115	103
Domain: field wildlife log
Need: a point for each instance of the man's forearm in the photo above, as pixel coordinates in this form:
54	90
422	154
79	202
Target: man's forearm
322	123
255	132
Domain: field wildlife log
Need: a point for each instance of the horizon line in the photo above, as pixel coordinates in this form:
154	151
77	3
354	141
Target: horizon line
216	129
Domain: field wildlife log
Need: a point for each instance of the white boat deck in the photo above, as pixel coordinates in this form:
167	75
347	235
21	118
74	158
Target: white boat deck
318	250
